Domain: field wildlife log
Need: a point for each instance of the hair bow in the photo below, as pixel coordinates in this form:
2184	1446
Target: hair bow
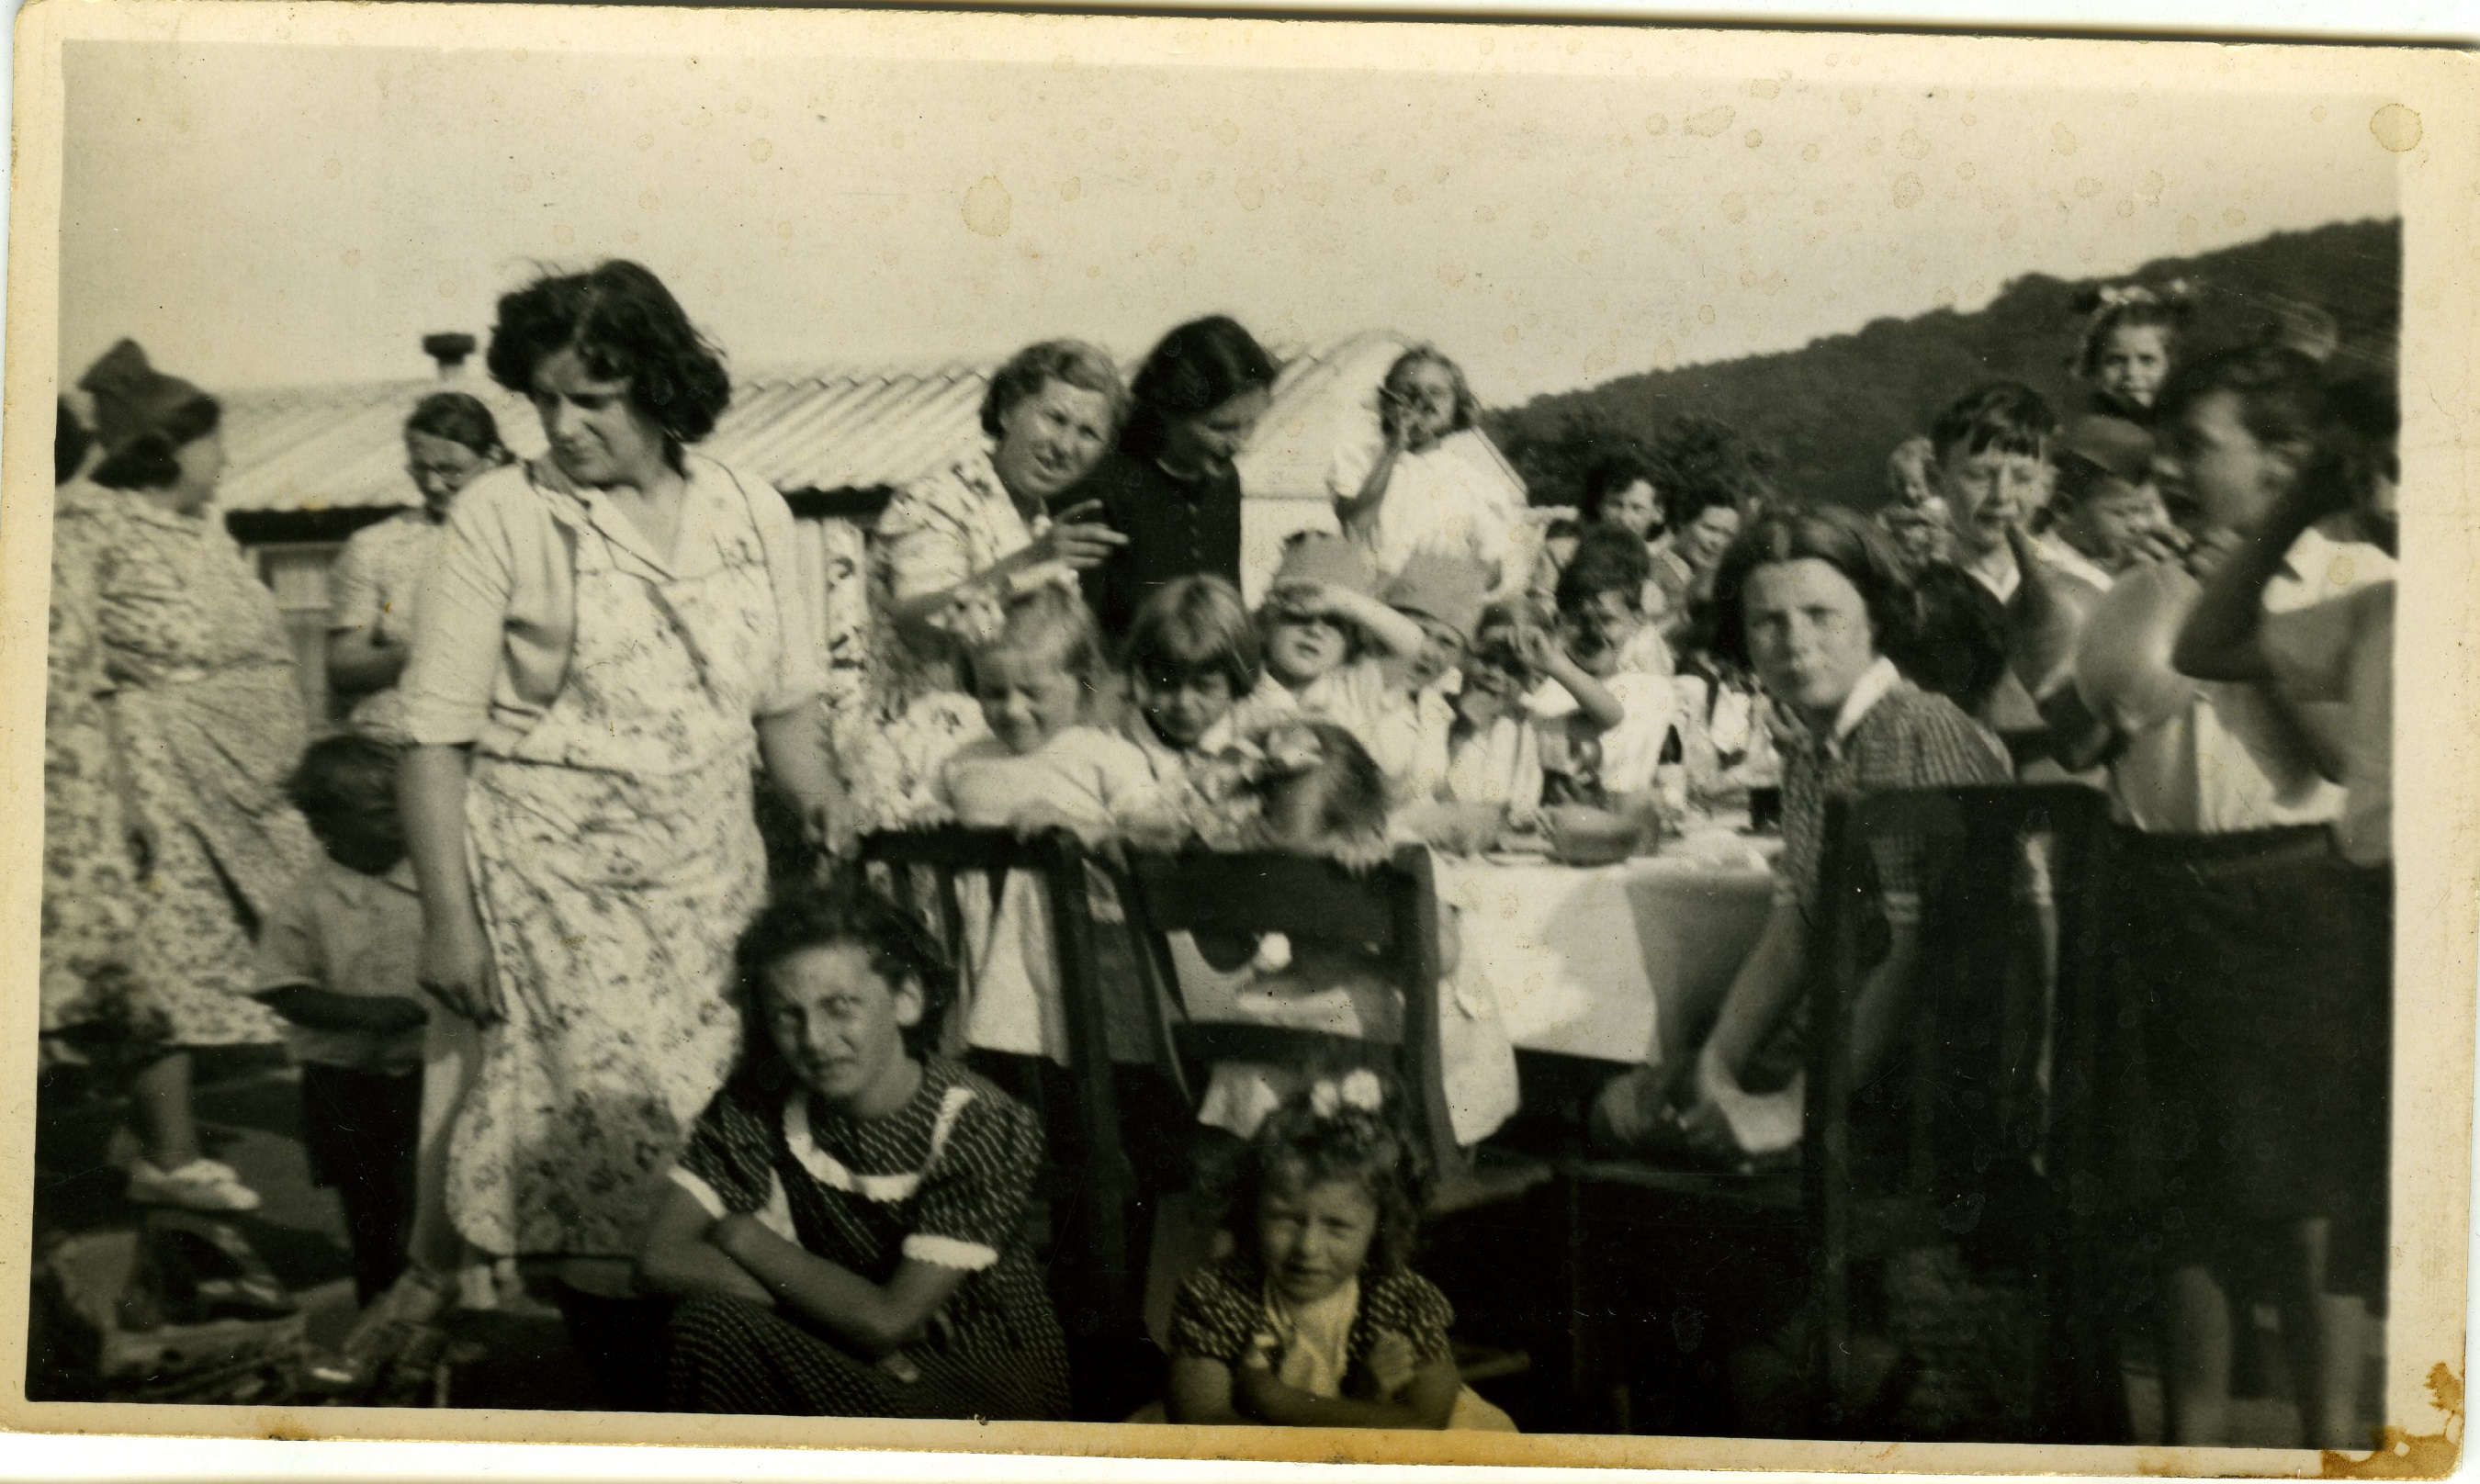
1361	1089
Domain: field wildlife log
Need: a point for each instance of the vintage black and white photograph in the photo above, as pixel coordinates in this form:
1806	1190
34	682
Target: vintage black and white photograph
1508	732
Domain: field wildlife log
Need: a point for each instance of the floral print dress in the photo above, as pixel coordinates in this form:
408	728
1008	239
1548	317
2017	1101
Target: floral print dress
615	858
200	709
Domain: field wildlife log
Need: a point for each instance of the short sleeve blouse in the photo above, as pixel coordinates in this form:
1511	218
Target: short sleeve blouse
499	615
1221	1310
944	1180
1907	738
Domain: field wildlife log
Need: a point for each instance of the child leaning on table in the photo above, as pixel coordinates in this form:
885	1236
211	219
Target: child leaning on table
1309	788
1035	670
1315	1320
337	960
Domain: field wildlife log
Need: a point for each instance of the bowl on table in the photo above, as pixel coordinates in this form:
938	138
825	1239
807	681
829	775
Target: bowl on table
1582	836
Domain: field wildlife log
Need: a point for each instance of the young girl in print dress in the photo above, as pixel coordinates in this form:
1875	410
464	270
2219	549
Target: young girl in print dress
1315	1320
843	1230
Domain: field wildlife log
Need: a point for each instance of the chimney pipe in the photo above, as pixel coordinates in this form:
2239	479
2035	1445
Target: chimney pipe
449	349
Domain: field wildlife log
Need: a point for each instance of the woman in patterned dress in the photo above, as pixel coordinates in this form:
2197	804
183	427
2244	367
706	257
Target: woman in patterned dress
449	441
613	638
845	1227
172	680
983	522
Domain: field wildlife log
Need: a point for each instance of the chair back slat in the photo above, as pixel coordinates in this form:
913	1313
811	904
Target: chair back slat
1265	892
1390	909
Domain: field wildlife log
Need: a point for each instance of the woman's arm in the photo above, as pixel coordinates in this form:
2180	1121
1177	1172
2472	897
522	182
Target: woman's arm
1767	985
873	1319
1200	1394
455	964
1076	537
793	745
679	1260
2219	642
359	661
1426	1402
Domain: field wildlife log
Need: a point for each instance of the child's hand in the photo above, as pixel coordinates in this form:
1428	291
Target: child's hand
1539	650
1253	1383
1303	599
975	615
1392	1363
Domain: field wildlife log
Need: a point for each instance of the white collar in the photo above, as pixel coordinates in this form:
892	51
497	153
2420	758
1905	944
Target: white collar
1875	684
834	1173
2002	586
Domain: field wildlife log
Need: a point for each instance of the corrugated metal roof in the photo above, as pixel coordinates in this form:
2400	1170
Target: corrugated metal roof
852	428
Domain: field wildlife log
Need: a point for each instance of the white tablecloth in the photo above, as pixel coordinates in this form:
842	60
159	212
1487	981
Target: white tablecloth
1602	961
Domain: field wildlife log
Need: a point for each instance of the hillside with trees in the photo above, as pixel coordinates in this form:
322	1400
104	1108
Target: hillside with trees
1819	421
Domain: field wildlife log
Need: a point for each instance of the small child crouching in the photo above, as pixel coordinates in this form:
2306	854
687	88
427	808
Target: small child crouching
1316	1319
337	960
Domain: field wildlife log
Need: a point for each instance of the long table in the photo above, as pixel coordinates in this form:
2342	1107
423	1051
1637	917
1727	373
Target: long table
1611	962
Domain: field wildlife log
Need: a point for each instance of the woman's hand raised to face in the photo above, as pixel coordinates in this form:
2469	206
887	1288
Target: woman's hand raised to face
1078	537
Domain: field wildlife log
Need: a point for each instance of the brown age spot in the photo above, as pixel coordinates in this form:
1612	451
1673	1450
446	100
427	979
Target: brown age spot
2406	1455
2396	127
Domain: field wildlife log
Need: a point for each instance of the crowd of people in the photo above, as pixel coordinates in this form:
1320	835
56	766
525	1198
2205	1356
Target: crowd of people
569	1030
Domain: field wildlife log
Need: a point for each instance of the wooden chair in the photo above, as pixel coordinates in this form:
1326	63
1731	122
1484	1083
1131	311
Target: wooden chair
2002	1131
1393	910
928	871
1997	1079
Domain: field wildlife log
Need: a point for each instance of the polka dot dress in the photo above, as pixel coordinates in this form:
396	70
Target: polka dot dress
944	1180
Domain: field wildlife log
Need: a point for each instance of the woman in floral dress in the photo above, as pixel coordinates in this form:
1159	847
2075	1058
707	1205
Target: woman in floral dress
613	638
980	527
173	707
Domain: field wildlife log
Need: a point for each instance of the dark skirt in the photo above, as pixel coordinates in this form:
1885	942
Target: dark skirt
2257	966
730	1356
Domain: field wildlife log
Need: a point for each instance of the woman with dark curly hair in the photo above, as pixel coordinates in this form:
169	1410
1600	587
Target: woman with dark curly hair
1170	489
614	635
983	524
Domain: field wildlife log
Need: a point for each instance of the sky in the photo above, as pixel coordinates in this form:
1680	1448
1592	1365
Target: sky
272	215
